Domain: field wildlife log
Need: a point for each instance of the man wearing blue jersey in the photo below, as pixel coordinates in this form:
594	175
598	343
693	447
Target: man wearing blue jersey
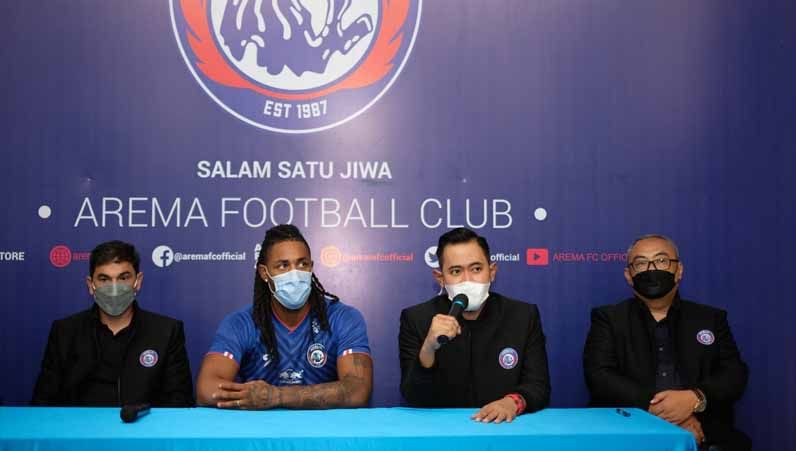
296	347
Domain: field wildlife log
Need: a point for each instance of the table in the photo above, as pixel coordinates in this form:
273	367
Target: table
208	429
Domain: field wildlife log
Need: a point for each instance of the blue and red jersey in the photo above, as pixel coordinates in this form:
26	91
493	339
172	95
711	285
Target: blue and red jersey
307	354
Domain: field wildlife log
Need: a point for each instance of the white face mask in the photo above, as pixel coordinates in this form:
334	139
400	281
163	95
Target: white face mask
476	293
292	289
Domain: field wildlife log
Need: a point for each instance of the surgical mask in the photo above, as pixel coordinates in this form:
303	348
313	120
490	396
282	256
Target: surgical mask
292	288
114	298
653	284
476	293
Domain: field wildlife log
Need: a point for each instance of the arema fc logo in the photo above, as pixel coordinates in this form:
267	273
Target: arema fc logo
295	66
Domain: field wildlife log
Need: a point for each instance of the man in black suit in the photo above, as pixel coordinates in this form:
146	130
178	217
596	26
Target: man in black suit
115	353
674	358
495	360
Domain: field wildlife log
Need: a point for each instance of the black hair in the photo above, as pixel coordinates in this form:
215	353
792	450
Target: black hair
113	252
458	236
262	312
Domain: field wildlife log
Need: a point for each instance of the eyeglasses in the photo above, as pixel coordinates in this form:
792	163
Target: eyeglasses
660	262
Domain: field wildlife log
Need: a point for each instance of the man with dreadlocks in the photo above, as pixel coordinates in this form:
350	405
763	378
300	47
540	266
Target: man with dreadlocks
296	347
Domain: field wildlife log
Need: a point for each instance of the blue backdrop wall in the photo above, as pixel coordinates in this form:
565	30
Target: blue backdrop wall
560	130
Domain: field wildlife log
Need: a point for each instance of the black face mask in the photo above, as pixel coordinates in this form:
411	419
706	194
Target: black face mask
653	284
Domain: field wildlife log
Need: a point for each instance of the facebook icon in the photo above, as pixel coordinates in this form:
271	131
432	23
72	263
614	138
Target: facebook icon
162	256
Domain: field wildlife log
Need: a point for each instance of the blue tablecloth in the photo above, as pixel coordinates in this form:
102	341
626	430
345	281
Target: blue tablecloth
200	429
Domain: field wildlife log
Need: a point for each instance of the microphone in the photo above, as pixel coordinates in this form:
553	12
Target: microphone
132	412
458	305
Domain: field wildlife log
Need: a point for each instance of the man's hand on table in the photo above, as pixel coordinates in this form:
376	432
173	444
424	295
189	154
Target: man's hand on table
504	409
674	406
254	395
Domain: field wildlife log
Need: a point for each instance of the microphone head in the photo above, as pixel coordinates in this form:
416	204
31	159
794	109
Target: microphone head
128	414
462	300
131	412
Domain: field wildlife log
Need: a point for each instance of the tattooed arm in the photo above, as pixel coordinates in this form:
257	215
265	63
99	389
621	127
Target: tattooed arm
355	374
352	389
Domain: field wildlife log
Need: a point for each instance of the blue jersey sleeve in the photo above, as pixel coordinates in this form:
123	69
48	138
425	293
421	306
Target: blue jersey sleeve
233	337
351	332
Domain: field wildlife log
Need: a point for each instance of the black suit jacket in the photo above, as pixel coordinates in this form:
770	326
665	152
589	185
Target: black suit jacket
619	361
72	354
467	371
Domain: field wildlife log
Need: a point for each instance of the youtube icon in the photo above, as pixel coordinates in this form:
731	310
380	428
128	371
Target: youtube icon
537	257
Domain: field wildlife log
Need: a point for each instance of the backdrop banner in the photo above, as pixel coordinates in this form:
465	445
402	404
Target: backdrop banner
559	130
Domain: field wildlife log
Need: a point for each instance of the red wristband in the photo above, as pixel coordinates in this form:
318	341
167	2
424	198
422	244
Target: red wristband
519	401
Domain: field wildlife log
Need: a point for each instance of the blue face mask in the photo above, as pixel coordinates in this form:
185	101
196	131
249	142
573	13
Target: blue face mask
292	289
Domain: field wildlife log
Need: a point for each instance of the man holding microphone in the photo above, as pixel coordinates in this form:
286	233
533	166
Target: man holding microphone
491	357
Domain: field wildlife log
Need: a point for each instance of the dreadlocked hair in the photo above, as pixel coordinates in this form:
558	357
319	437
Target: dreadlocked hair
262	313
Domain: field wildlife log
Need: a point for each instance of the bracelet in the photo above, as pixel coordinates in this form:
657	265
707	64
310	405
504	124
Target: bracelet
519	401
